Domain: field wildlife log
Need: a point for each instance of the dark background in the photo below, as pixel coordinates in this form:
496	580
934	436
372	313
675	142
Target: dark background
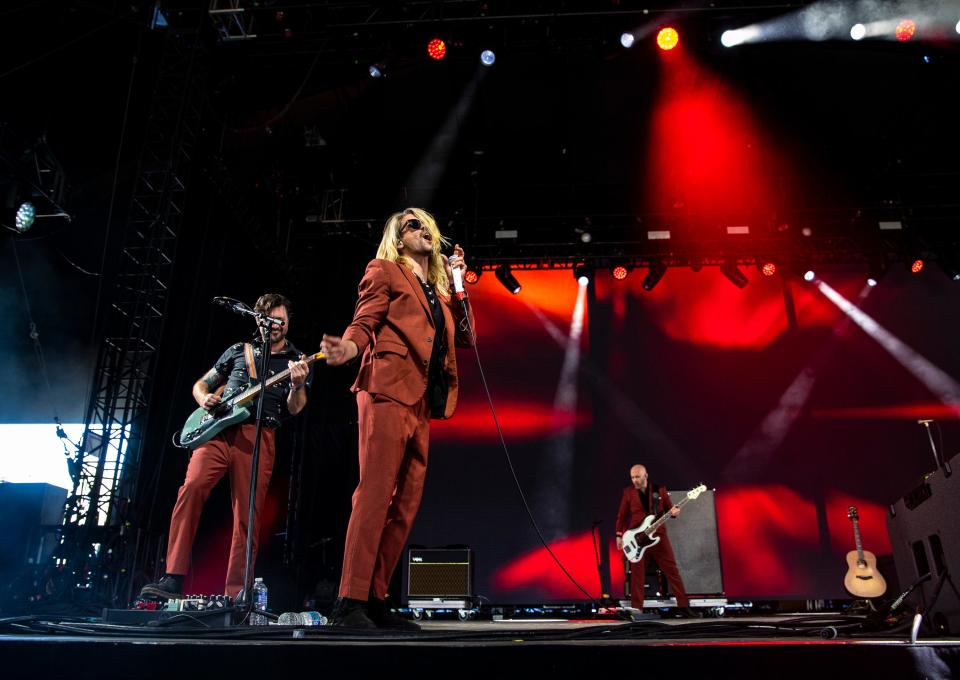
564	131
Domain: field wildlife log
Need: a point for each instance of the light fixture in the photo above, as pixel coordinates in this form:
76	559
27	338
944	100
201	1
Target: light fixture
655	273
506	277
26	216
487	57
583	274
668	38
732	272
436	49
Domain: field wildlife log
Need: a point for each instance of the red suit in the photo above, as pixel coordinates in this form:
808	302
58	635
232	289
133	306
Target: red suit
394	332
631	515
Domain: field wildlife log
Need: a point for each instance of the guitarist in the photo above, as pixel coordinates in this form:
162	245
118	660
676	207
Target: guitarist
232	449
640	499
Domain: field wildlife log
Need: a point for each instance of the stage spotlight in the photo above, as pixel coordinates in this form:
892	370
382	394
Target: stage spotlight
905	30
437	49
506	277
916	266
656	272
668	38
878	267
958	27
627	40
950	268
732	272
768	268
730	39
619	272
809	275
26	216
858	32
472	275
375	71
583	274
487	57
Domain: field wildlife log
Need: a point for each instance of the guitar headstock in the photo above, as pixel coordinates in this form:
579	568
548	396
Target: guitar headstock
310	358
693	493
852	513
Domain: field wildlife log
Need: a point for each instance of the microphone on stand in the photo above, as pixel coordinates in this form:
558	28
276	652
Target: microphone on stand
231	304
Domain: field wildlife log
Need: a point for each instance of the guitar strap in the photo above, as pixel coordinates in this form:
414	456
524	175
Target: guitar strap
251	363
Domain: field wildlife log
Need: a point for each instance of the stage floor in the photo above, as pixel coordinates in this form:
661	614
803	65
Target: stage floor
784	646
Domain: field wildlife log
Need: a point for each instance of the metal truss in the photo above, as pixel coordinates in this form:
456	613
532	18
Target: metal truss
107	464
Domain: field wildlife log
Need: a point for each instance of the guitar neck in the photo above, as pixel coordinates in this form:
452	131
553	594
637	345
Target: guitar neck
252	392
665	516
856	536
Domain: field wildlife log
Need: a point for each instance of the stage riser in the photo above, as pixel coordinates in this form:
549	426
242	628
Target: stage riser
107	659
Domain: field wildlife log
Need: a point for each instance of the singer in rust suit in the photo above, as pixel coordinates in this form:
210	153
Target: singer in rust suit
405	328
640	499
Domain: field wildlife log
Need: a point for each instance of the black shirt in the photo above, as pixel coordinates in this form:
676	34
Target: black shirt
437	384
642	493
232	365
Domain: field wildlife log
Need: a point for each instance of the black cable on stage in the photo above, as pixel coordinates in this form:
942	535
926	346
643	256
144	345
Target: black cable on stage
465	325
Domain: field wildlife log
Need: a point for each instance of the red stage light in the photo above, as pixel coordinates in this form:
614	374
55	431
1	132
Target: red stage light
769	269
437	49
668	38
471	276
905	30
620	273
917	266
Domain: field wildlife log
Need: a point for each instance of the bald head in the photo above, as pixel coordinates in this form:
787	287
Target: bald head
638	476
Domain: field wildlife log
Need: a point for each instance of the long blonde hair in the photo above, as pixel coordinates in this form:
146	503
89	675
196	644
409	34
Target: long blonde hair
437	273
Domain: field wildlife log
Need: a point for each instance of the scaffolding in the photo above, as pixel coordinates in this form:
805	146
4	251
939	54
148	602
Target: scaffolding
106	469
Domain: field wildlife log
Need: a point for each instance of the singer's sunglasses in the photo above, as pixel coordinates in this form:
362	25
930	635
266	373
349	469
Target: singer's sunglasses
413	225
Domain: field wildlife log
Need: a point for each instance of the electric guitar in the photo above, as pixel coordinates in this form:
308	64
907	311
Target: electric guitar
637	541
862	579
203	425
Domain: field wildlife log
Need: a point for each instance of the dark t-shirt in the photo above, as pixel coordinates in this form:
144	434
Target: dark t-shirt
437	384
232	365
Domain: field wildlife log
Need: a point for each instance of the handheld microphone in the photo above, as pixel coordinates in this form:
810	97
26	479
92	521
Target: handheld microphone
458	283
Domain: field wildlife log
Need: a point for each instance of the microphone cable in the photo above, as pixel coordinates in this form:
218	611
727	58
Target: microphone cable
466	326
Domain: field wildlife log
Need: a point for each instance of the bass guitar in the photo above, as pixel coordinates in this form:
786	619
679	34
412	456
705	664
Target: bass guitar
203	425
862	579
637	541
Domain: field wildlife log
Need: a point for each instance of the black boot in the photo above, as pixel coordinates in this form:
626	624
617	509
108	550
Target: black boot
348	613
687	613
381	614
170	587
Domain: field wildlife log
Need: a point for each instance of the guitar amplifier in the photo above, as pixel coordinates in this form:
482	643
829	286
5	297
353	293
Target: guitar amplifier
925	538
439	572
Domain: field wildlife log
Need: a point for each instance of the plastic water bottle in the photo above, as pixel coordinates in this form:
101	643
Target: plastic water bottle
302	619
259	603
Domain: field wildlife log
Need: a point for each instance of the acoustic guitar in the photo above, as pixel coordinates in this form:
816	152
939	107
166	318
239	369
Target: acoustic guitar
862	579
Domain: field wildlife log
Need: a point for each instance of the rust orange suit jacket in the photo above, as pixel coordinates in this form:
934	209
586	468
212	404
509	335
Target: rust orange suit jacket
631	513
394	332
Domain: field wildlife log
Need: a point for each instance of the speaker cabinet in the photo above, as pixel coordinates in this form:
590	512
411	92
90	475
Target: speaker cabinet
925	536
439	572
30	518
693	535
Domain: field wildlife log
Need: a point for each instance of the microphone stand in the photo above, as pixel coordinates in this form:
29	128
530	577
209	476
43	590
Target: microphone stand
265	326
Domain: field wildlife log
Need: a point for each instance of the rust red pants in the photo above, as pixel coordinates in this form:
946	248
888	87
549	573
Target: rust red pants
394	439
662	554
230	451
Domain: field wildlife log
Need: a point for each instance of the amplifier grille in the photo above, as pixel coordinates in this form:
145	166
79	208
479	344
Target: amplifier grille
439	573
